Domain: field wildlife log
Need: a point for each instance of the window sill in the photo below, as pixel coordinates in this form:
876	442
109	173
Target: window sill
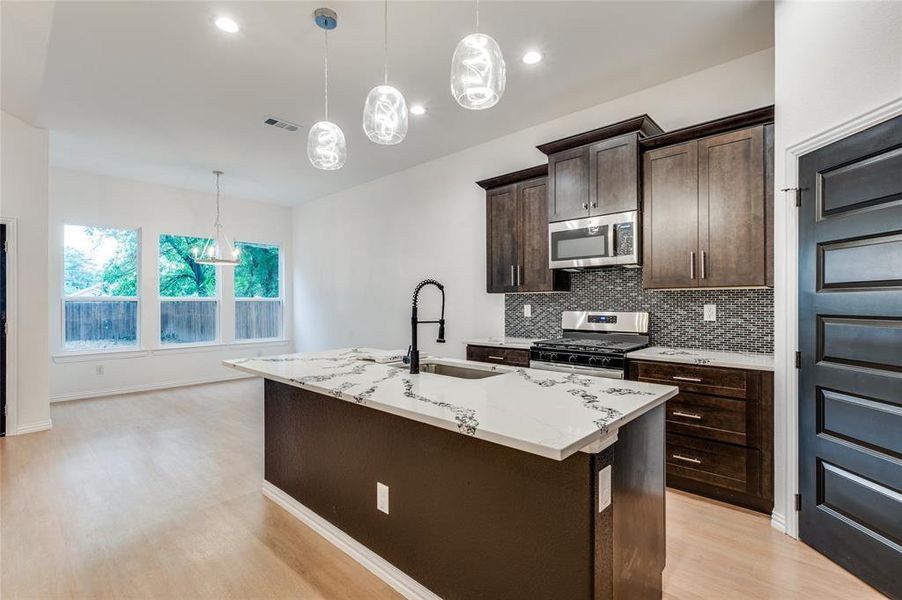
73	357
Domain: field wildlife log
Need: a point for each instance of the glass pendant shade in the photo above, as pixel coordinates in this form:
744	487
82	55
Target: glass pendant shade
477	72
385	115
326	146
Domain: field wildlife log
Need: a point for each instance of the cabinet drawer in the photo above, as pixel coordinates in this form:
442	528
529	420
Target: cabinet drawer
723	465
733	383
710	417
499	356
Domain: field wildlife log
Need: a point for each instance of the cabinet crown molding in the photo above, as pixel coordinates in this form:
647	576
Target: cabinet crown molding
644	125
514	177
749	118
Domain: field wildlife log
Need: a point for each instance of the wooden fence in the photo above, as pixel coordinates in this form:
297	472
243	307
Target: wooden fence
113	323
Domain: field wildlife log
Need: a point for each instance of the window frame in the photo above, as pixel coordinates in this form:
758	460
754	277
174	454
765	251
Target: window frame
138	345
280	298
216	297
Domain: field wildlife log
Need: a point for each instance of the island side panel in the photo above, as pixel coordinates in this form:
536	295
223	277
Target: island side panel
468	518
638	505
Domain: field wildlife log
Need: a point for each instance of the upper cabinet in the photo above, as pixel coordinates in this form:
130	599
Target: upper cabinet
597	172
517	234
708	205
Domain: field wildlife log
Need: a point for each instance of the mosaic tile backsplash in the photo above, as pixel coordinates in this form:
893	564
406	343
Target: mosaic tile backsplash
745	318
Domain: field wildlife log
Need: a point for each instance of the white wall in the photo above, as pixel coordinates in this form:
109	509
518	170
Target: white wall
360	252
834	61
86	199
23	196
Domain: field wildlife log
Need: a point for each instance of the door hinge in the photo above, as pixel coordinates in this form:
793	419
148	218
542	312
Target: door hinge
798	192
798	502
798	360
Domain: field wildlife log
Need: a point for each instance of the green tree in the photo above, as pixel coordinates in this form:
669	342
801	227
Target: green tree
80	271
120	273
257	275
180	275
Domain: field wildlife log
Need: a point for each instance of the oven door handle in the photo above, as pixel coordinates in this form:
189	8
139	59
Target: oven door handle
560	368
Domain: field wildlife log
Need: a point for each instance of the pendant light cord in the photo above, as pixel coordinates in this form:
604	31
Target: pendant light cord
385	43
477	16
218	222
326	70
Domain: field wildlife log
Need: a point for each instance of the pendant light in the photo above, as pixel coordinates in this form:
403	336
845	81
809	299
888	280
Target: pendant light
218	249
326	146
385	111
477	71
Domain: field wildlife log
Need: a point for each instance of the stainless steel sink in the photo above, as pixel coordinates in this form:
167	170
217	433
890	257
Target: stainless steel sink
450	369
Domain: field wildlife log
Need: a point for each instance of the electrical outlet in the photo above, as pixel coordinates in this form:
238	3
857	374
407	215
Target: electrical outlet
604	488
99	370
710	312
382	497
527	310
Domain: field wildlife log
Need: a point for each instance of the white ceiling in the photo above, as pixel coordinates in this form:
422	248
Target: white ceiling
153	91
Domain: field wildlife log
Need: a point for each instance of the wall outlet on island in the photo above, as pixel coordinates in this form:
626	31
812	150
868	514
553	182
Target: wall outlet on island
710	312
98	370
382	497
527	310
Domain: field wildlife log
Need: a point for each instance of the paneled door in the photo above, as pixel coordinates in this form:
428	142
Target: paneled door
3	292
533	201
670	177
850	338
502	251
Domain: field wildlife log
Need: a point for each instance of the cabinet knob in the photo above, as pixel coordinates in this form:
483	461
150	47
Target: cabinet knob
595	205
585	206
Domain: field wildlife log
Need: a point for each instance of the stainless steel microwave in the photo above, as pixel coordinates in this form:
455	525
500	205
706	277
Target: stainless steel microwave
600	241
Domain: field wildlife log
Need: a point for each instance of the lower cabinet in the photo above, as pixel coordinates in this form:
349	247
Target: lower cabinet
719	431
515	357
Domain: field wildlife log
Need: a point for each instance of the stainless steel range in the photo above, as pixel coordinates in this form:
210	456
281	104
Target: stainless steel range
594	343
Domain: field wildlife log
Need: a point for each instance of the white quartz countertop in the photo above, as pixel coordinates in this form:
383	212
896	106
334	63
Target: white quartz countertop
504	342
710	358
543	412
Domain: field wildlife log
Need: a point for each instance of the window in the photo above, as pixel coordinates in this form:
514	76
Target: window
189	302
100	288
258	299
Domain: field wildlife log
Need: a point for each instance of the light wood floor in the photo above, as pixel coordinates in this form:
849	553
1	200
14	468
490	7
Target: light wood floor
158	495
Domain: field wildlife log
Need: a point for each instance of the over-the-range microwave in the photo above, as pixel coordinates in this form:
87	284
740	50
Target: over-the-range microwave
605	240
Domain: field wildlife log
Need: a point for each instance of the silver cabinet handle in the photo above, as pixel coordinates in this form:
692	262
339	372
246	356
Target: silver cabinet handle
690	379
496	357
518	275
595	205
512	275
694	461
692	265
704	268
677	413
585	206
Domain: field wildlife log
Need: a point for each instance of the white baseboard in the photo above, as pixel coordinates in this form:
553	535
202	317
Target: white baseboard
34	427
778	522
402	583
146	387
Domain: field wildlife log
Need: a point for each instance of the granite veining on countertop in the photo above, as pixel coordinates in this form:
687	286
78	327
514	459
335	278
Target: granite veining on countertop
710	358
519	343
543	412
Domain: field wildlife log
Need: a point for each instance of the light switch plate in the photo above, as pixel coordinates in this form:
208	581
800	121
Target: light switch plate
527	310
382	497
604	488
710	312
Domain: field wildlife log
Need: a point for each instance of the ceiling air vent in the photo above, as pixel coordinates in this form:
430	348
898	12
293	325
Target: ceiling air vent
282	124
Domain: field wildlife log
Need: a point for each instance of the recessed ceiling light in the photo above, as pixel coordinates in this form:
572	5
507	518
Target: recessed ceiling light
227	25
418	109
532	57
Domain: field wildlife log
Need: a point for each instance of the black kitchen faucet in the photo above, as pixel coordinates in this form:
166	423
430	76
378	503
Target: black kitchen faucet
413	354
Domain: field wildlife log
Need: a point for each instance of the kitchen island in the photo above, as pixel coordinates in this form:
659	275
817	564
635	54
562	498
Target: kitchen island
501	482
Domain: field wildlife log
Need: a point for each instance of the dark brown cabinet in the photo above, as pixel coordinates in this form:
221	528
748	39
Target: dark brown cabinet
516	357
517	234
707	211
597	172
719	431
